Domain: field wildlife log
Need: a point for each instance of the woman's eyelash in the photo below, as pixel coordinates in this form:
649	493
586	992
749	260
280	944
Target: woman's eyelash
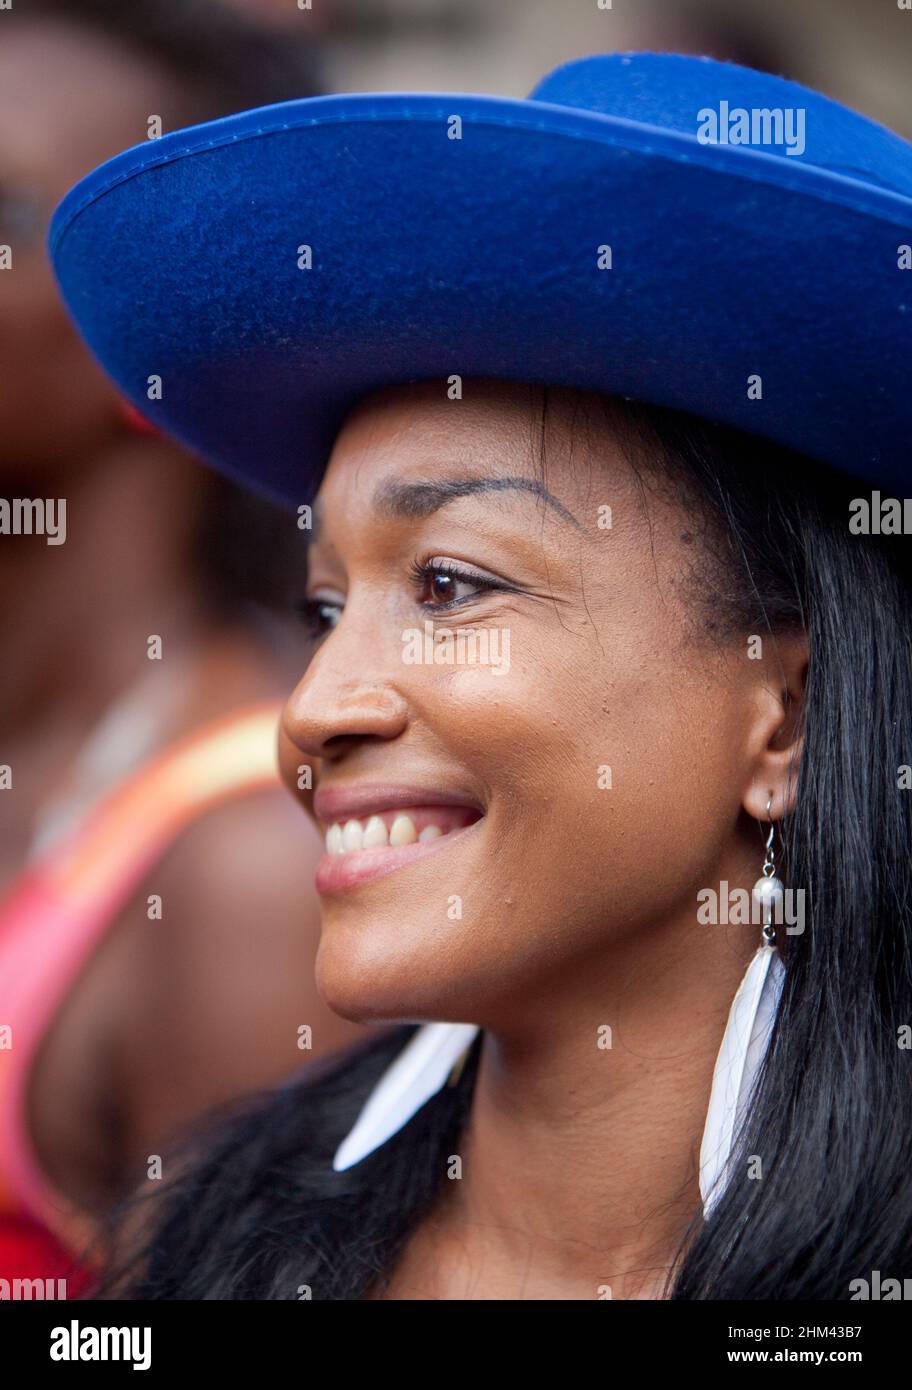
314	612
422	571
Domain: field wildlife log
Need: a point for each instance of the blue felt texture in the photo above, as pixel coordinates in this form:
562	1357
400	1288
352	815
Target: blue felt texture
478	256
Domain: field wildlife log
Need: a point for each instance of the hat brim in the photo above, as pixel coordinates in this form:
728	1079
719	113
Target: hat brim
480	256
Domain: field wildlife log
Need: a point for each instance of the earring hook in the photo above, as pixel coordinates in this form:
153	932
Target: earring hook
768	889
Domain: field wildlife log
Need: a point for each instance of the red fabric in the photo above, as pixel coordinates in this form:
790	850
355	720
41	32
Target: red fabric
29	1250
136	421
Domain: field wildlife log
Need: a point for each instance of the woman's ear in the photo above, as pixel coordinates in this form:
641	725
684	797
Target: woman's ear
776	736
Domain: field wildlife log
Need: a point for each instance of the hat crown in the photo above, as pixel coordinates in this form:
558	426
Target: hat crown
585	238
677	92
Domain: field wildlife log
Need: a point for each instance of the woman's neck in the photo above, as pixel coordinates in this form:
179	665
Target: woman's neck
579	1166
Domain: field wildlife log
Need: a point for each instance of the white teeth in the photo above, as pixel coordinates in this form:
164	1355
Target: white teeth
402	831
343	839
352	835
374	833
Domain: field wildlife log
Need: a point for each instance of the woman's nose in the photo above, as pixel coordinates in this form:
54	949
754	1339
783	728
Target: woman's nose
337	703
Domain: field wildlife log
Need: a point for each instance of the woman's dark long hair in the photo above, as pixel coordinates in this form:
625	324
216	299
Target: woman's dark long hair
257	1211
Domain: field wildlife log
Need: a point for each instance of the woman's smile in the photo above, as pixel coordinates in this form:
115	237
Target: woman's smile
371	831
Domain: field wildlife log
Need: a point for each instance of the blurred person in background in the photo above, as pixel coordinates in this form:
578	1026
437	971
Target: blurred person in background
158	921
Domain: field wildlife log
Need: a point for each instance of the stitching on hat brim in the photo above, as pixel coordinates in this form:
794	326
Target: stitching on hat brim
654	142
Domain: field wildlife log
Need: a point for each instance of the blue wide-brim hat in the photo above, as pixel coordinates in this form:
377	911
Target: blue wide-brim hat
614	231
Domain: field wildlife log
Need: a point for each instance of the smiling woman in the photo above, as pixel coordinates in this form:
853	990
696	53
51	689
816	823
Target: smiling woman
711	690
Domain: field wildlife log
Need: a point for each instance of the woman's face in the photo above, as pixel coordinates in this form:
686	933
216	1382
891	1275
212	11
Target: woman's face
585	761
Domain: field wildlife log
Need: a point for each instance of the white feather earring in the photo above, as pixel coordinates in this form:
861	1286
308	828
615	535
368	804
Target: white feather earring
745	1040
418	1073
738	1063
432	1054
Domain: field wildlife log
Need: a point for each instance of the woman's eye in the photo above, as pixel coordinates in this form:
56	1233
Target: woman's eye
319	615
440	586
444	586
437	586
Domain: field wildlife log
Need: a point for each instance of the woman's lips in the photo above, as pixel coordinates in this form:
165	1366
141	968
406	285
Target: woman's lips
361	799
362	848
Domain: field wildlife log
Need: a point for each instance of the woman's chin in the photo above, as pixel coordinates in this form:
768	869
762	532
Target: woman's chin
370	984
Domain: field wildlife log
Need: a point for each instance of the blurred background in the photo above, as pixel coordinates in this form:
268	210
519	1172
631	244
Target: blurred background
858	51
158	924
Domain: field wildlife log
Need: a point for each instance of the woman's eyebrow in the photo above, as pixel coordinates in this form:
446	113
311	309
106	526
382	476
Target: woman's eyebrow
421	499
